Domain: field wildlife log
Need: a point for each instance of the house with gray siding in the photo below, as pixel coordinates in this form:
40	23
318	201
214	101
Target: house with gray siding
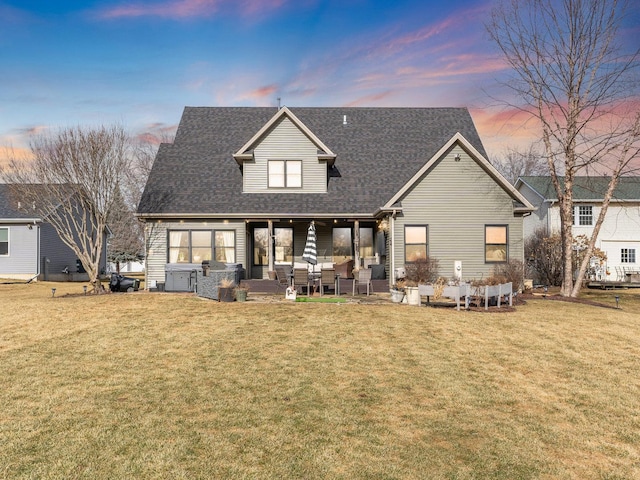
30	248
390	186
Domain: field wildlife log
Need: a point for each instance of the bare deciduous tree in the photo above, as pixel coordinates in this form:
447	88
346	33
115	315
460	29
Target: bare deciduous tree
78	172
517	162
128	240
574	78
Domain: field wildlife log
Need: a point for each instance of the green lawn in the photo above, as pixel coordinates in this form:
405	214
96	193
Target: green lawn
171	386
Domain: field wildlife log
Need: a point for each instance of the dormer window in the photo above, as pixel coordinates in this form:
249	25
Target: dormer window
285	173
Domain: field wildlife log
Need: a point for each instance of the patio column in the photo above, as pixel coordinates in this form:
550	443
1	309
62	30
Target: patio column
270	243
356	244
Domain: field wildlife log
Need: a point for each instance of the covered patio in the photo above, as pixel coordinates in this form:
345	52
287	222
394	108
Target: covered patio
342	245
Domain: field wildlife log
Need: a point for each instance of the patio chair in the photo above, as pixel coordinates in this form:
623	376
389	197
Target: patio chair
301	279
345	268
328	279
363	277
282	278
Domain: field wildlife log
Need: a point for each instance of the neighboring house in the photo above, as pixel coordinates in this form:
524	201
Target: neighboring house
241	185
30	248
619	236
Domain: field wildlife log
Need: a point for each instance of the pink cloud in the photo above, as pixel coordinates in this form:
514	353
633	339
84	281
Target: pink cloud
261	92
369	99
171	9
157	133
181	9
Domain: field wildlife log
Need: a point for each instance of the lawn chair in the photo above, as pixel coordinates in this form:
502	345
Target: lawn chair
282	278
301	279
363	277
328	278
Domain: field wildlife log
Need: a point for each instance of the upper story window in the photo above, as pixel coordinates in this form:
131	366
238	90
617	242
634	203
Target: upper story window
495	243
4	241
583	215
285	173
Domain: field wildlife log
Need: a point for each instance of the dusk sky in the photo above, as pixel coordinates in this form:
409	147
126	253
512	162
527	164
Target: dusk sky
139	62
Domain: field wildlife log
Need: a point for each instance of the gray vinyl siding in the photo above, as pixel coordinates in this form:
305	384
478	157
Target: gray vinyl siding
285	142
456	200
156	247
156	238
56	256
23	251
539	218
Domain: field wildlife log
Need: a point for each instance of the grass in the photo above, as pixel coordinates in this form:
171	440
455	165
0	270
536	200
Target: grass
171	386
321	299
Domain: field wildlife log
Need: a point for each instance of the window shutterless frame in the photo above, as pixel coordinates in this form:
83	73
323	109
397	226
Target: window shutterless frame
284	173
627	255
4	242
496	243
416	243
195	245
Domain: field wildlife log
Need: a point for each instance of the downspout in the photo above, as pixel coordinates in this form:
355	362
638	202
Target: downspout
38	261
271	246
392	232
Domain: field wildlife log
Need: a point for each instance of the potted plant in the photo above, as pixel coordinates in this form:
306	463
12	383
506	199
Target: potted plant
226	290
397	291
421	271
241	292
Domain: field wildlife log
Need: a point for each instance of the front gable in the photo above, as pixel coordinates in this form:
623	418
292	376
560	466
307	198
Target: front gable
284	156
461	154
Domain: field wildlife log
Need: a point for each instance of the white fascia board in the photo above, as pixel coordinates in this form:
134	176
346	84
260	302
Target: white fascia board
520	181
241	154
16	221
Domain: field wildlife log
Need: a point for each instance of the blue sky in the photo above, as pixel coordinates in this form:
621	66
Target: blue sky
139	62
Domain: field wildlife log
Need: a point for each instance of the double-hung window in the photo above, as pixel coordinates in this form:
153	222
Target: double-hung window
285	173
225	246
496	243
583	215
416	246
4	241
627	255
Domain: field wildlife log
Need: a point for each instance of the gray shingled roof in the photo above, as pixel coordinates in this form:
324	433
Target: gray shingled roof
378	152
9	205
587	188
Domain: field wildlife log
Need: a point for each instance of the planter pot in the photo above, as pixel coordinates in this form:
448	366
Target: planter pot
226	294
272	275
396	295
413	295
241	295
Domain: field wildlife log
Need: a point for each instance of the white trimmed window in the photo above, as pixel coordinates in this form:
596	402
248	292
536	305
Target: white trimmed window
285	173
4	241
583	215
627	255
